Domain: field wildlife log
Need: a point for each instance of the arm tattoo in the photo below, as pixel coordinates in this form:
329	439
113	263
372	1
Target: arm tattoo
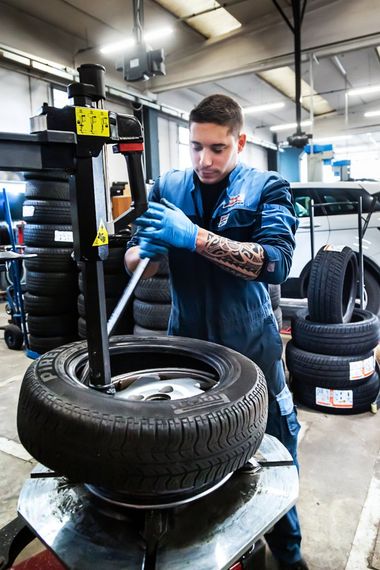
243	259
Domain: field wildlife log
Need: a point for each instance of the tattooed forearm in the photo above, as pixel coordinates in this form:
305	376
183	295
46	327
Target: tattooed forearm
240	258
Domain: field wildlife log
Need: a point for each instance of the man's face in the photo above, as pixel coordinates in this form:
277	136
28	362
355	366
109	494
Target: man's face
214	151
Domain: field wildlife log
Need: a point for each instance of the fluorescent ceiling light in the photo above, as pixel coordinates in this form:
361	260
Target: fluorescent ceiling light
287	126
326	140
263	108
372	113
364	90
216	22
16	57
284	80
129	42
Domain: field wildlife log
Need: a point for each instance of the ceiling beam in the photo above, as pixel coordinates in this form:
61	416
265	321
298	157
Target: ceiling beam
327	31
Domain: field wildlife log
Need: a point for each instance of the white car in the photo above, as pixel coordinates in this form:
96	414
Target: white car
336	223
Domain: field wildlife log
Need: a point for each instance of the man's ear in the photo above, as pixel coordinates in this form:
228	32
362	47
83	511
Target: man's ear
241	141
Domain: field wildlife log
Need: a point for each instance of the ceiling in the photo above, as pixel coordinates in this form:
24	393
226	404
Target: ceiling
339	40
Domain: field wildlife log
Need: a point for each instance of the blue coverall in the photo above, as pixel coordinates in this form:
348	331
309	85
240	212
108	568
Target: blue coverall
212	304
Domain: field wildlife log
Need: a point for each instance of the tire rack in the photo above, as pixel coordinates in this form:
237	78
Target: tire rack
361	232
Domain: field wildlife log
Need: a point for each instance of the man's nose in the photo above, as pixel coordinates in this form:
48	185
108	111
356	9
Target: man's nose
206	157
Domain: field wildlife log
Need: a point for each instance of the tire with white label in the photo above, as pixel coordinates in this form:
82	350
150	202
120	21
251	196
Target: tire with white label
354	400
48	235
332	286
358	336
154	448
46	212
329	371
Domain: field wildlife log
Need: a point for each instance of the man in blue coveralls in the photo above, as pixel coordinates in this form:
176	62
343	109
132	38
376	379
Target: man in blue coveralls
228	230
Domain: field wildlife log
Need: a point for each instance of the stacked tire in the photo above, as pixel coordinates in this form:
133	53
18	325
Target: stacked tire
331	357
152	303
51	276
115	281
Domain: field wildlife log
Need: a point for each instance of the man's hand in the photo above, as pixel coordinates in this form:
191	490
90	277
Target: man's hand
166	224
152	249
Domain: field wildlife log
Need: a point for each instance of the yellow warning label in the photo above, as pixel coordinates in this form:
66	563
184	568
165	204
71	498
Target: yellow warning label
101	236
93	122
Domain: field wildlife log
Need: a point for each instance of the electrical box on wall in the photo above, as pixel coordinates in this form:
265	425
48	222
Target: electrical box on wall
142	63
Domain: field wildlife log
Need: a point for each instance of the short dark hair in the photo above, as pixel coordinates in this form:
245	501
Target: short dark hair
221	110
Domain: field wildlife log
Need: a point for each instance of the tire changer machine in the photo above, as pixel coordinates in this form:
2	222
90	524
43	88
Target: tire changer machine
78	533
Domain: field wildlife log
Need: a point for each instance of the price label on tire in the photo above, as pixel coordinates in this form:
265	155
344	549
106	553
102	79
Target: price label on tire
63	236
27	211
333	398
362	368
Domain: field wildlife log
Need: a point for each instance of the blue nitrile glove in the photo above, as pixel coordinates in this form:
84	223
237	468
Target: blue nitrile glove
152	249
167	224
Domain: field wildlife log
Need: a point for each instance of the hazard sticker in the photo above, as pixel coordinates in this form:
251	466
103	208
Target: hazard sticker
92	122
362	368
333	398
101	236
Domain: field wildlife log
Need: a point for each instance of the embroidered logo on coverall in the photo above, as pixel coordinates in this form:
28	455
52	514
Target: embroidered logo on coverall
223	220
239	199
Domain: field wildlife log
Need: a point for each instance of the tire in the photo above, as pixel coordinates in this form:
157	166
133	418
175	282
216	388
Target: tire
275	295
278	314
141	331
114	284
45	305
48	189
332	286
358	336
46	212
154	290
111	303
50	259
14	339
150	315
48	235
341	372
115	261
372	287
153	450
362	396
163	268
41	345
51	284
52	325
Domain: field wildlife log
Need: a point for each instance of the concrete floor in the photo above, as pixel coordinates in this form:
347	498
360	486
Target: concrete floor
339	502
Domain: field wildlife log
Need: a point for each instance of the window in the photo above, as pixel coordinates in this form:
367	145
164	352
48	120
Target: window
345	197
302	197
183	148
60	98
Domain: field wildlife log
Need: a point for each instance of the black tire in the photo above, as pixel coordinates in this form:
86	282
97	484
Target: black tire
332	286
82	328
47	189
141	331
362	396
14	339
48	235
115	261
114	283
52	325
111	303
372	287
41	345
46	212
153	450
275	295
154	290
151	315
51	284
45	305
50	259
278	314
163	268
358	336
341	372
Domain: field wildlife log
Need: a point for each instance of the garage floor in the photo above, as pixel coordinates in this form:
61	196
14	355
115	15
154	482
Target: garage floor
339	502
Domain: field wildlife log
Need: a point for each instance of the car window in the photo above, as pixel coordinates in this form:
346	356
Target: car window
302	197
345	197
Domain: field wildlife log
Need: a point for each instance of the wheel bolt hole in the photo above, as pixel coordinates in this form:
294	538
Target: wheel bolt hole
154	397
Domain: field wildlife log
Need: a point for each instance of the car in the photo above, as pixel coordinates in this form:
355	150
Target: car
336	223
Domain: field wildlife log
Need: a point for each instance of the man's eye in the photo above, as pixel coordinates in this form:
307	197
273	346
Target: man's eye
197	148
218	150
